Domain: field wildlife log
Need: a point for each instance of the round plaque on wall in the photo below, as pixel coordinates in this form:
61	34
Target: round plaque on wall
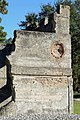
57	50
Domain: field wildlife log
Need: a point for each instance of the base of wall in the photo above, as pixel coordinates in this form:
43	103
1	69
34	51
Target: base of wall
41	94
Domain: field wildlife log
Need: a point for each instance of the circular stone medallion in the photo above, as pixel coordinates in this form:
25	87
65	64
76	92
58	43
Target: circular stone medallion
57	50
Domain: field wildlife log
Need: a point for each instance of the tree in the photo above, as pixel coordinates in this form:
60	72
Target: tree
46	10
30	23
3	10
33	19
2	34
75	34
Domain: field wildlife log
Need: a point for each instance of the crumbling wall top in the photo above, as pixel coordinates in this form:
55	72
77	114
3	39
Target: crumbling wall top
62	20
65	10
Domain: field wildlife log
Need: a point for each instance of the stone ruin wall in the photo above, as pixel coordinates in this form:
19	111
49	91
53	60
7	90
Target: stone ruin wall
41	69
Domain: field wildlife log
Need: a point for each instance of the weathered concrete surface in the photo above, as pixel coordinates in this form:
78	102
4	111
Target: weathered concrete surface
41	68
62	20
41	93
34	50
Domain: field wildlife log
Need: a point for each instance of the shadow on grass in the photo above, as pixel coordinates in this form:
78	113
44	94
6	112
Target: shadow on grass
76	96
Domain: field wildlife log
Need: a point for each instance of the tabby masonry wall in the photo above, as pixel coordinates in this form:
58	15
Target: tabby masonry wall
41	68
42	82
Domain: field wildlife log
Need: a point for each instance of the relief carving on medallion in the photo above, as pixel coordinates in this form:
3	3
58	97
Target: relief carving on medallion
57	50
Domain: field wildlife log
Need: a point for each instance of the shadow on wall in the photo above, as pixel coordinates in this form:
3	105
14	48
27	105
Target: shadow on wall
7	90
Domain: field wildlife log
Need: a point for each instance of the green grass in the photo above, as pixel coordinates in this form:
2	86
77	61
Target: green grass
76	107
76	93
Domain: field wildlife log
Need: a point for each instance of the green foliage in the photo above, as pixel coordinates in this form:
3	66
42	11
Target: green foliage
3	5
32	19
2	34
46	10
3	10
30	23
75	34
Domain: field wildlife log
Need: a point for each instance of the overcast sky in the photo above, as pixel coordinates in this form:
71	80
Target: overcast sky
17	9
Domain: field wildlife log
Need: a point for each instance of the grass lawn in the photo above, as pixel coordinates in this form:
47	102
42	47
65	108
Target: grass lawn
76	107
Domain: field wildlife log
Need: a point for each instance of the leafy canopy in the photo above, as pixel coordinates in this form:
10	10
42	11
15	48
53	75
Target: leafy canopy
3	10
